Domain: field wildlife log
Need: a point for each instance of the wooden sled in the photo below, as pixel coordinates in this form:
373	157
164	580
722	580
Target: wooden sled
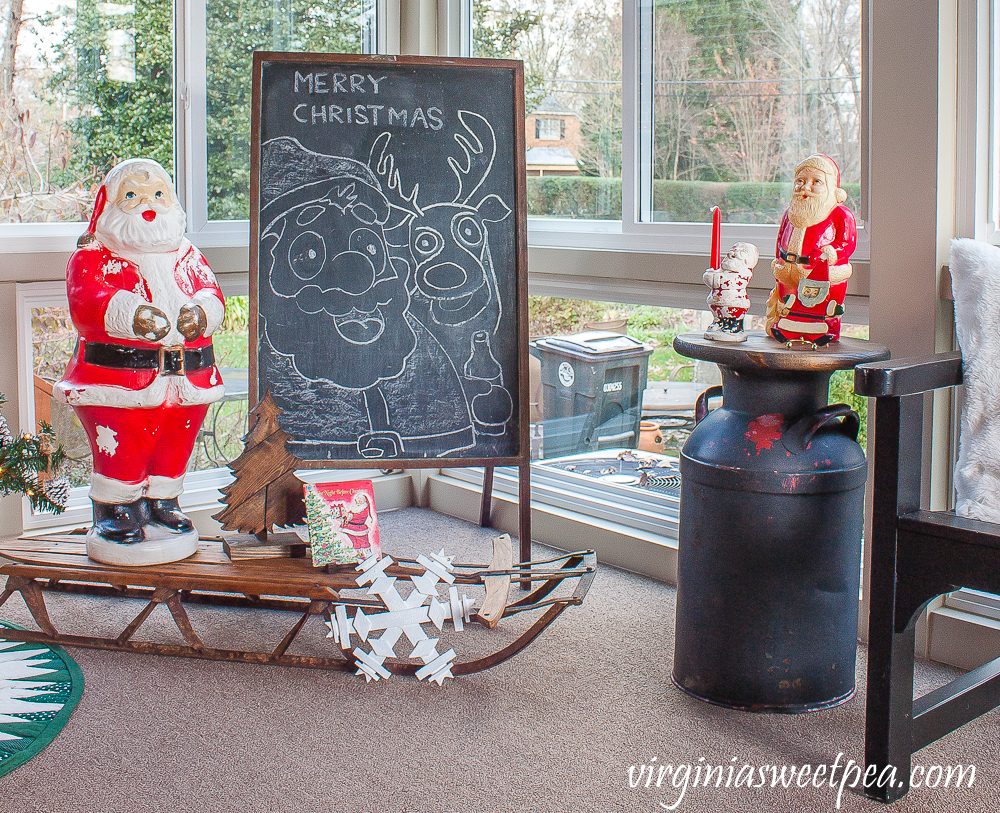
59	562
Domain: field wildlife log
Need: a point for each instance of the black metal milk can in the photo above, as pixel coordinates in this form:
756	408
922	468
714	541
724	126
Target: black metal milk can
771	522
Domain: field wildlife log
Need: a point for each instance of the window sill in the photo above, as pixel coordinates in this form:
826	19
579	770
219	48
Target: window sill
649	554
961	638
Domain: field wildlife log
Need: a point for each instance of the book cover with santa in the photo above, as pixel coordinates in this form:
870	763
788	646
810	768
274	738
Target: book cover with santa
343	527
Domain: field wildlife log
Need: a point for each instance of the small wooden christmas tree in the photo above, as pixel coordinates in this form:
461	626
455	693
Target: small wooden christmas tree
266	493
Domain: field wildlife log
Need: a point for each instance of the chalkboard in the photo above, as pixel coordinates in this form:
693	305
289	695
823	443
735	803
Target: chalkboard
388	257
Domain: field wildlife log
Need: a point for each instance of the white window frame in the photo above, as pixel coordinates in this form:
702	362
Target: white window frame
977	192
190	147
978	114
630	234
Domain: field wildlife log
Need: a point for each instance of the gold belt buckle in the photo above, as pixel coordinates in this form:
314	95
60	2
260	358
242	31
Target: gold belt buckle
179	349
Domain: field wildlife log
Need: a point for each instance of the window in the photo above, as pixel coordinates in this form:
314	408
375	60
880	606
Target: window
733	96
549	129
572	54
611	406
703	104
93	83
235	29
87	84
993	216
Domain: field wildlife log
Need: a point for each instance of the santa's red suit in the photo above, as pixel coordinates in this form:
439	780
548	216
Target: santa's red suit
357	528
141	401
815	304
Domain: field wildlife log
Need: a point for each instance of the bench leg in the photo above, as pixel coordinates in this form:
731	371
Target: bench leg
889	710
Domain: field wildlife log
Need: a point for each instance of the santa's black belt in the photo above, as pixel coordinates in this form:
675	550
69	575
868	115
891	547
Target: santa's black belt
792	257
166	360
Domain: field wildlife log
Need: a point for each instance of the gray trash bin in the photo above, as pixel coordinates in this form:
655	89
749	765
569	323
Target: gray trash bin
592	385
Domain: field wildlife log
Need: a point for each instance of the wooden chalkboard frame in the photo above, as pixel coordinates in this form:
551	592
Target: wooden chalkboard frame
512	152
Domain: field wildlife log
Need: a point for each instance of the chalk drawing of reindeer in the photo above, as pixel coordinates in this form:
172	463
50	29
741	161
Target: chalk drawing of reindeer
452	278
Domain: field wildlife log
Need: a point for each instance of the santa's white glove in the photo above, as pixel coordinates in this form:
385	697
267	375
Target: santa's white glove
828	255
150	323
711	278
191	321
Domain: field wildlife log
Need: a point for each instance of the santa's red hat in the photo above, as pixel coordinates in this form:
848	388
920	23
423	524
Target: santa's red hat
825	164
99	203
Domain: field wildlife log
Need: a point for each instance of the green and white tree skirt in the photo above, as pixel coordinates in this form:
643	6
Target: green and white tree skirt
39	688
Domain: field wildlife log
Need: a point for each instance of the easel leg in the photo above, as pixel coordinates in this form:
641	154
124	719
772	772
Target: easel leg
524	519
487	500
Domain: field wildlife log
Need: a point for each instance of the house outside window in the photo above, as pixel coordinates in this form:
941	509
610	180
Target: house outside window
552	136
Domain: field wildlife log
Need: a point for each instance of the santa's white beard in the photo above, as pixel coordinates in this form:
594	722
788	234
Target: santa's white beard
127	233
736	265
153	248
809	212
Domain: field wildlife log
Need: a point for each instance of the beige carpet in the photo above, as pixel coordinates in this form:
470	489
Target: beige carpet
553	730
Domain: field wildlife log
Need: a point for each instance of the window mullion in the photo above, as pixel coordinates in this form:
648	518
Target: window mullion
191	116
635	62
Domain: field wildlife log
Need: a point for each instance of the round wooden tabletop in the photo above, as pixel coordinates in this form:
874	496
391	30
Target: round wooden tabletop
761	352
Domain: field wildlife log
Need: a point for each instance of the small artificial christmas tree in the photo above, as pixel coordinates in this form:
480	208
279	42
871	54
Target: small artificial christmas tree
28	464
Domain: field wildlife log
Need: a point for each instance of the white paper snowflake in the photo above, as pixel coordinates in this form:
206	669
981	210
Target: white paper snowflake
403	616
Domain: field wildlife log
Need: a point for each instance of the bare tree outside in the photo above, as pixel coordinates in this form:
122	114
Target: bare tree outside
675	117
741	91
35	142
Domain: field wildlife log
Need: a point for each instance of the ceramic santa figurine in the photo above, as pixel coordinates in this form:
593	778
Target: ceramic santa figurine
728	300
815	241
143	374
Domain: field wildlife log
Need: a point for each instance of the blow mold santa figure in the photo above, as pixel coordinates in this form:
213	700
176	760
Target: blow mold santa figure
815	241
143	374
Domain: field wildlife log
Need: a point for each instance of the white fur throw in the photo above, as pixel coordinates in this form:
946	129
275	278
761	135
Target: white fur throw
975	282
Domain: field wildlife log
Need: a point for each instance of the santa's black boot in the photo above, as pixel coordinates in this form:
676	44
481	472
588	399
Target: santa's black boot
168	514
120	522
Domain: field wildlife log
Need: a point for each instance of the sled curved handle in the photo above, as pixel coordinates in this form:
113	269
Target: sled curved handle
497	587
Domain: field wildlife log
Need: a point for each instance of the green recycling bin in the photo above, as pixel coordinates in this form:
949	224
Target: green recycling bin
592	385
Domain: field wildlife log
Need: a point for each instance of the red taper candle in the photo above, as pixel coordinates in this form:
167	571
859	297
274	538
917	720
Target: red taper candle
716	238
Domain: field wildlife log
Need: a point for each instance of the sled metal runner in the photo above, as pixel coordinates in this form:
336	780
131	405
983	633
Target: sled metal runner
59	563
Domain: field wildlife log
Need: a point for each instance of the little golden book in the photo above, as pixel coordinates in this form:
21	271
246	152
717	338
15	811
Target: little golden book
343	527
